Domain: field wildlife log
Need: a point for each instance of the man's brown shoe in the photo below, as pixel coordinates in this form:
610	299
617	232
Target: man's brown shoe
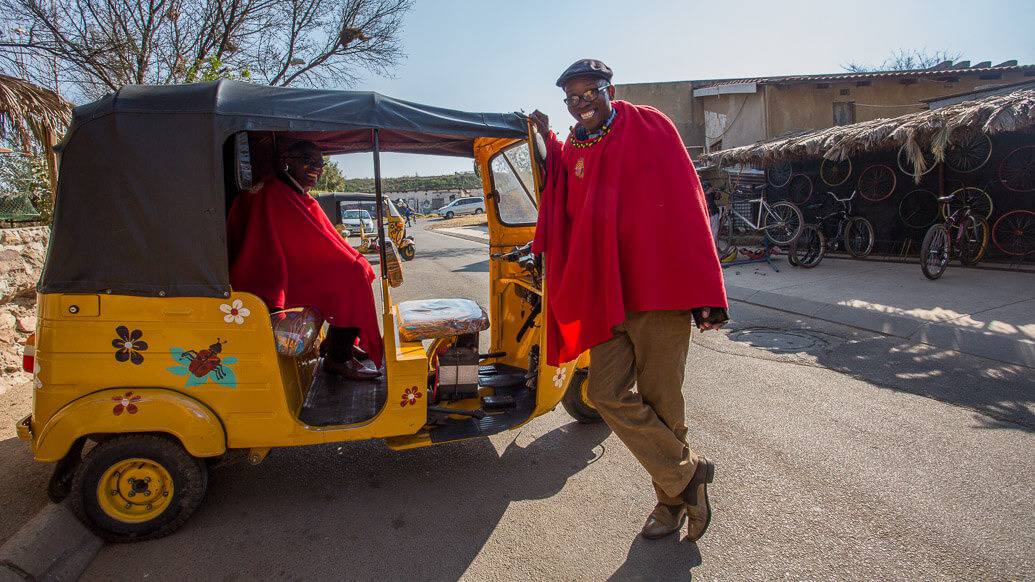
664	520
699	511
351	369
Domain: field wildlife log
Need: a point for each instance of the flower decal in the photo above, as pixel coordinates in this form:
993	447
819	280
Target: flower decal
410	396
125	403
559	376
36	375
235	312
128	345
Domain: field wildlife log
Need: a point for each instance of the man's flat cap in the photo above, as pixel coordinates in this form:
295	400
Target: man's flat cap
585	68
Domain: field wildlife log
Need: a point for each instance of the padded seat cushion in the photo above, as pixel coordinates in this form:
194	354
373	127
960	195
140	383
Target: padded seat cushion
436	318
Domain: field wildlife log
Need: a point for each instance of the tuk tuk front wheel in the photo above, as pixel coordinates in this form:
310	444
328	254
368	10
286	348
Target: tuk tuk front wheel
576	401
408	252
137	487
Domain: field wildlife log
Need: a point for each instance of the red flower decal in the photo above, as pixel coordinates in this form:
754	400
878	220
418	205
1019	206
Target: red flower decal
125	403
410	396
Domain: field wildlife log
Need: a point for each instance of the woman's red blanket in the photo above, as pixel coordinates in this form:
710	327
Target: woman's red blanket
285	250
624	227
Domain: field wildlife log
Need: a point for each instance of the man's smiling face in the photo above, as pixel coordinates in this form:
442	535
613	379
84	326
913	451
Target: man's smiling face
591	114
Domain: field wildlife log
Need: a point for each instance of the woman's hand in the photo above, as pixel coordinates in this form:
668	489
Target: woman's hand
702	315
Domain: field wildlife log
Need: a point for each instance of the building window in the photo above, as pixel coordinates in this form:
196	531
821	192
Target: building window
844	112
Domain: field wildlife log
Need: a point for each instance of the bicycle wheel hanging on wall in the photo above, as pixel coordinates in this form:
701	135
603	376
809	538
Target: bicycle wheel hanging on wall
1014	233
968	149
800	189
877	182
979	201
835	172
918	209
779	174
1017	170
906	165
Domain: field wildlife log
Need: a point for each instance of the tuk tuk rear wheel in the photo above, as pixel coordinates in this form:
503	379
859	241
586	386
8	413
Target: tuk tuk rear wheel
576	401
137	487
408	252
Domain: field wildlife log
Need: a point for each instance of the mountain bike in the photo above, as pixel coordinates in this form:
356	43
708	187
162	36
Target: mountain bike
780	222
839	226
963	234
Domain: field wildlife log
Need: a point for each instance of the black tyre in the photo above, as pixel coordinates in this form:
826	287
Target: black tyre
934	252
137	487
575	401
408	252
478	211
974	241
809	248
783	223
449	215
724	239
859	237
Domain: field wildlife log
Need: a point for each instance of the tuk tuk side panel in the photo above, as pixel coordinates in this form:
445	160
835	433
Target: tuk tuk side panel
219	352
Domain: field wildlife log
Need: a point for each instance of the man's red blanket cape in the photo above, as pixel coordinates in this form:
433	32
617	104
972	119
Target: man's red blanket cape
639	241
285	250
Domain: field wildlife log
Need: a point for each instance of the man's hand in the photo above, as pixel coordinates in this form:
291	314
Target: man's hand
701	318
541	122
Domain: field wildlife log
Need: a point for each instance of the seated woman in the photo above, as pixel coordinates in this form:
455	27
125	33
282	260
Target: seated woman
285	250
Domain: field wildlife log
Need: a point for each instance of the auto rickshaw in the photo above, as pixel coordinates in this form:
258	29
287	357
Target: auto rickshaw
145	351
335	203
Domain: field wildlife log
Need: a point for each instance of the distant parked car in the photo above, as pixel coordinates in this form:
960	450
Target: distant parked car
462	206
353	219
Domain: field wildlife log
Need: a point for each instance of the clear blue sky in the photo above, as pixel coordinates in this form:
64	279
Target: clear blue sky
504	56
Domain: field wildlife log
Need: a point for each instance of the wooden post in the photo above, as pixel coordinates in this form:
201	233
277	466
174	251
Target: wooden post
49	139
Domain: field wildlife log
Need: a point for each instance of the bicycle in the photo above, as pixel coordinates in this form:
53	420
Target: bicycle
781	222
839	226
963	233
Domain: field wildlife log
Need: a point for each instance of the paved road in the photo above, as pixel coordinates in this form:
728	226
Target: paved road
841	455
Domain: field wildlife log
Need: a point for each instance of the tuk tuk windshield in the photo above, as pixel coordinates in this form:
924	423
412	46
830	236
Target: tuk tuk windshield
512	180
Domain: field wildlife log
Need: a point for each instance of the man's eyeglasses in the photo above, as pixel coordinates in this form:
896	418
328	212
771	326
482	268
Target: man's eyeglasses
588	96
310	161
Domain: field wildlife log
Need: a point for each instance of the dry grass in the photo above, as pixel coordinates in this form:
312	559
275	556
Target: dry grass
460	221
33	112
929	130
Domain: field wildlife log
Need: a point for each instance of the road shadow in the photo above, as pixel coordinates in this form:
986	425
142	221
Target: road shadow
1003	394
671	558
479	267
23	486
358	511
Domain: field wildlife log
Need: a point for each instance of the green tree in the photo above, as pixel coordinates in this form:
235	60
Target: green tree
332	179
25	173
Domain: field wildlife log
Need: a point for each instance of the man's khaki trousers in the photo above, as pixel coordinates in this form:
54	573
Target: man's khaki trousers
649	350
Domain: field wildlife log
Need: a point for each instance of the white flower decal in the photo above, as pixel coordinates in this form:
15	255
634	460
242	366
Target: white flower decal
235	312
36	375
559	377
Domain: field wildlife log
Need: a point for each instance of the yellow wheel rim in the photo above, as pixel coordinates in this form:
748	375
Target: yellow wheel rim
135	490
584	390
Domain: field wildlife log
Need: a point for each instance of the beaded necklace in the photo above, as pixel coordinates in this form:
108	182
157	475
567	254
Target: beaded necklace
595	137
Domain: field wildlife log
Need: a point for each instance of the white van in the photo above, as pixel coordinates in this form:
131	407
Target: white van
462	206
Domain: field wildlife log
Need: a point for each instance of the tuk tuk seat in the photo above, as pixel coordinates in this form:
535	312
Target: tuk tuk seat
438	318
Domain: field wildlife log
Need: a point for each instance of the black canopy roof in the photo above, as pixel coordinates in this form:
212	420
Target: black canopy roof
143	183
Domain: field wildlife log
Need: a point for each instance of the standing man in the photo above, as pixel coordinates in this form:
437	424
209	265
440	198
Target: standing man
631	266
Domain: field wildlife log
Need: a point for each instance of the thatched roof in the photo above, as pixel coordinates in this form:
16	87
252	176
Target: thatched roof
928	130
32	111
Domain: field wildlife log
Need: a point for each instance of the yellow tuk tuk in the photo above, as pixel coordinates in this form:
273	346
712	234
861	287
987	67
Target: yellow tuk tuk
336	205
148	365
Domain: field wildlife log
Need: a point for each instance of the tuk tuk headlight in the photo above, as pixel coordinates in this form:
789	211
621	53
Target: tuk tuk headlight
296	330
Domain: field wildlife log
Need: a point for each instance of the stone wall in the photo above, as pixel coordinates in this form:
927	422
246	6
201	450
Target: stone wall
22	252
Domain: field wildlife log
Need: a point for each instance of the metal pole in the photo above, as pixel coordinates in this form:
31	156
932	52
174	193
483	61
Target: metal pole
379	201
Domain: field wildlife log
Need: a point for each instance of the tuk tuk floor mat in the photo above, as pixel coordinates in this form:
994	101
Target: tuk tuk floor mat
455	429
335	400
